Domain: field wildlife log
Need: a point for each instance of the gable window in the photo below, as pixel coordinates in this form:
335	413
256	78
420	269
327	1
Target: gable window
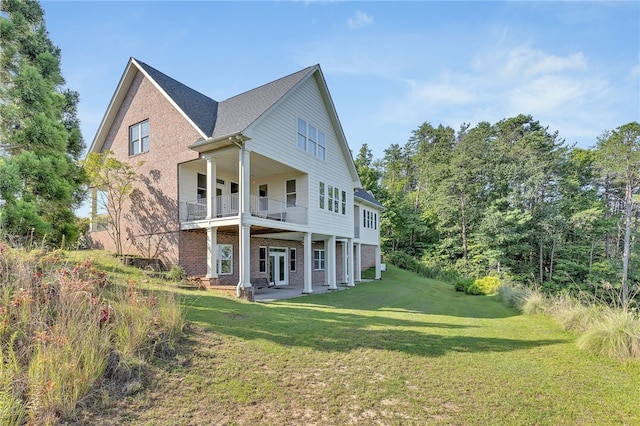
224	258
318	260
139	138
311	140
291	193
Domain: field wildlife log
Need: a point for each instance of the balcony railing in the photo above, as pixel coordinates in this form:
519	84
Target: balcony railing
229	205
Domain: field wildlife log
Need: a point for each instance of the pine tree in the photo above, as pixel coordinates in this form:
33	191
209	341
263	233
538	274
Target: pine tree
40	141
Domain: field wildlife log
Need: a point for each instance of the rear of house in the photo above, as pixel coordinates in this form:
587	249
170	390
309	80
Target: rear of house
260	187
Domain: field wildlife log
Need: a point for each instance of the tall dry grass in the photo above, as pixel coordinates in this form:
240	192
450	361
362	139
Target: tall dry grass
603	328
61	328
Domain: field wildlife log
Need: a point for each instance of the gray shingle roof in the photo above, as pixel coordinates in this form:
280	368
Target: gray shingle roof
219	119
237	113
201	109
366	196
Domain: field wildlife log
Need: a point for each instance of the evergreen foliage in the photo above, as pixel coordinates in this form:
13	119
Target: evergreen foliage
40	142
512	198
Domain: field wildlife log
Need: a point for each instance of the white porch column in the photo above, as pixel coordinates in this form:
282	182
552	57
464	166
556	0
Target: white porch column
212	243
244	240
308	264
378	260
244	262
358	262
211	186
330	253
345	270
245	182
350	279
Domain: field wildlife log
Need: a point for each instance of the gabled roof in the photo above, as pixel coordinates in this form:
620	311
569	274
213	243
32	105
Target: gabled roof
220	120
200	108
239	112
367	196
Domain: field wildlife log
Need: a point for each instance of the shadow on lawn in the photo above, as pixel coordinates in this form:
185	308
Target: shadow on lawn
320	328
421	296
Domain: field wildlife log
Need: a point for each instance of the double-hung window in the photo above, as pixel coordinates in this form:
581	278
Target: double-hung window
318	260
262	262
139	138
322	195
292	259
224	258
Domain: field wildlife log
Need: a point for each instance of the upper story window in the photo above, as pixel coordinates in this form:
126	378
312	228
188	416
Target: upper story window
333	198
311	140
139	138
369	219
322	195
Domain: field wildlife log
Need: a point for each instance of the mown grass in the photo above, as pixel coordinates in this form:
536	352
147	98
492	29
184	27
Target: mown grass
405	350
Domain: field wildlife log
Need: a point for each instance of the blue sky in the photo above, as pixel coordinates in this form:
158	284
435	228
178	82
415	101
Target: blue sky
390	66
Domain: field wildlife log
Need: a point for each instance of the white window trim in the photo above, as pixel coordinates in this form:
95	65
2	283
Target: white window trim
138	129
319	143
319	260
293	258
219	259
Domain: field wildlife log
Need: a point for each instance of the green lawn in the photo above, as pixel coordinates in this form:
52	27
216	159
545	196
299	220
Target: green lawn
404	350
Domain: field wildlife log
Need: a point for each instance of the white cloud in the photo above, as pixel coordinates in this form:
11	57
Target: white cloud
361	19
551	93
528	62
439	92
559	91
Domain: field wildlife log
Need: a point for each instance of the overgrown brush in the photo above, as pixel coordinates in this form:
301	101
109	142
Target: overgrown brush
602	329
61	326
535	303
616	335
513	296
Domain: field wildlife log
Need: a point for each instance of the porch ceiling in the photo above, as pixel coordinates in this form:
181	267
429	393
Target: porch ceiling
261	166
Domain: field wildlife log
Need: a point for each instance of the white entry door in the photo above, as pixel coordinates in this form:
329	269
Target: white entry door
278	272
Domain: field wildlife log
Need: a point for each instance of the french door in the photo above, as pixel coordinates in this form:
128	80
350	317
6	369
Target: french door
278	271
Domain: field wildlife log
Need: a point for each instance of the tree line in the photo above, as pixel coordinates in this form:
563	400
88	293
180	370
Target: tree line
512	197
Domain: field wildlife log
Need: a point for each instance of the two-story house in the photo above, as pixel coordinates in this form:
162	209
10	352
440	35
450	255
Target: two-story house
261	185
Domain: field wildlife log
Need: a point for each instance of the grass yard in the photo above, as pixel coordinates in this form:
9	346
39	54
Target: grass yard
401	351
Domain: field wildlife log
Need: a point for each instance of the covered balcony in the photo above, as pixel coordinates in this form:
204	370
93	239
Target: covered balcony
210	188
229	206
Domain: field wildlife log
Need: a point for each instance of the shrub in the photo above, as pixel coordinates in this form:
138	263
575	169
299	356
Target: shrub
616	334
176	273
462	284
484	286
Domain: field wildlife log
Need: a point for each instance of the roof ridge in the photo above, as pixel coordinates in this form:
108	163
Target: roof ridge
302	71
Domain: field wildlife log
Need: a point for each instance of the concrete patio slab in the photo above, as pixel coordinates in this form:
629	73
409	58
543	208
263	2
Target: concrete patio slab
289	292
